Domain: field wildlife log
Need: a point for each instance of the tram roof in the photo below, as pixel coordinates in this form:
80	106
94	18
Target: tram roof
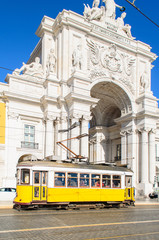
72	165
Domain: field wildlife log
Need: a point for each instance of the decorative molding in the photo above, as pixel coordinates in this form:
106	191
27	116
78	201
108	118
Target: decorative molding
13	115
110	63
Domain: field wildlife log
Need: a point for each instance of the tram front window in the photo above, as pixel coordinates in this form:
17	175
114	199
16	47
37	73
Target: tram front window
36	177
18	176
25	176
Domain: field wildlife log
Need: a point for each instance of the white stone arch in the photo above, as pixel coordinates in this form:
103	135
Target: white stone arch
115	102
27	157
119	84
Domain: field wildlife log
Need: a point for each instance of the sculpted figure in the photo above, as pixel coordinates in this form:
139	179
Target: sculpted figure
126	28
110	6
96	3
94	13
51	62
30	68
144	80
77	58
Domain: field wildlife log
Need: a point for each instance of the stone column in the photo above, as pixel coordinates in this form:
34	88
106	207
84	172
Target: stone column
152	155
74	133
12	133
123	147
64	136
144	158
49	136
56	137
84	140
131	135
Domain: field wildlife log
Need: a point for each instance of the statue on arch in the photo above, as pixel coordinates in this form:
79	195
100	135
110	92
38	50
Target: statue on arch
124	27
77	58
99	13
30	69
144	80
51	62
110	8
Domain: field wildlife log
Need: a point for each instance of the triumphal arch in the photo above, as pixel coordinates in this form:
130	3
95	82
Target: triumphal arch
88	71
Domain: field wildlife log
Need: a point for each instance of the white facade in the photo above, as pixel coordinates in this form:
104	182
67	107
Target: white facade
86	69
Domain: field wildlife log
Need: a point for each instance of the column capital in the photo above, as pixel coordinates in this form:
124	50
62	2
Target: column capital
75	116
123	133
143	129
127	132
86	117
153	130
13	115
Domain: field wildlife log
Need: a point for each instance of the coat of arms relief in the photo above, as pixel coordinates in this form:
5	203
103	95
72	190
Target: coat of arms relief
109	62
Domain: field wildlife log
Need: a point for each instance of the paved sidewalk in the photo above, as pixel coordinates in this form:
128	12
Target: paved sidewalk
147	201
6	204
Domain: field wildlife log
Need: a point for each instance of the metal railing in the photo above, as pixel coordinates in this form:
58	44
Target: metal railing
31	145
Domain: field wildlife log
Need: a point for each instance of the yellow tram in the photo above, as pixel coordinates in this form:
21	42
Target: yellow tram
66	184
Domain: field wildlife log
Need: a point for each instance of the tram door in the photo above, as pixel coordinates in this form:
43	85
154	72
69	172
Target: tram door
39	186
129	190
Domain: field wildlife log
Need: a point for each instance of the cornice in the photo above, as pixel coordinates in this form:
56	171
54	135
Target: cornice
143	114
79	76
77	21
45	26
80	98
14	95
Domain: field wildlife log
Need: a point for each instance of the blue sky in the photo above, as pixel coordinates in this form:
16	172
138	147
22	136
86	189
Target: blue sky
20	20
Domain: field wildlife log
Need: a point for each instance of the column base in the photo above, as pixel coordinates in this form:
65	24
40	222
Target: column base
143	190
9	182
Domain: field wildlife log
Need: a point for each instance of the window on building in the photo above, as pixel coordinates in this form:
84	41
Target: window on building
118	152
157	152
29	137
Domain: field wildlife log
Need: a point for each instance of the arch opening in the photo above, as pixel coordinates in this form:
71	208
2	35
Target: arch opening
105	139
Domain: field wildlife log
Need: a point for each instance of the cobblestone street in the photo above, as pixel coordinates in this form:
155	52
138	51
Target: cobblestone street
140	222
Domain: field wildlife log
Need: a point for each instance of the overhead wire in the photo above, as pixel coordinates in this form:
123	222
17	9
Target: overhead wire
132	4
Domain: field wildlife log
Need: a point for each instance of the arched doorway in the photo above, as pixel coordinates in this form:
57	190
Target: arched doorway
105	125
27	157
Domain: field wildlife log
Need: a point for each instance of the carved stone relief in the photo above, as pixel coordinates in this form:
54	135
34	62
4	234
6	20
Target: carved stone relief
111	63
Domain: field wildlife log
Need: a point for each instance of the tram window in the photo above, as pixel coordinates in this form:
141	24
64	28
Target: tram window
128	181
72	180
25	176
18	176
44	178
36	191
84	180
60	179
95	180
116	181
36	177
43	192
106	181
